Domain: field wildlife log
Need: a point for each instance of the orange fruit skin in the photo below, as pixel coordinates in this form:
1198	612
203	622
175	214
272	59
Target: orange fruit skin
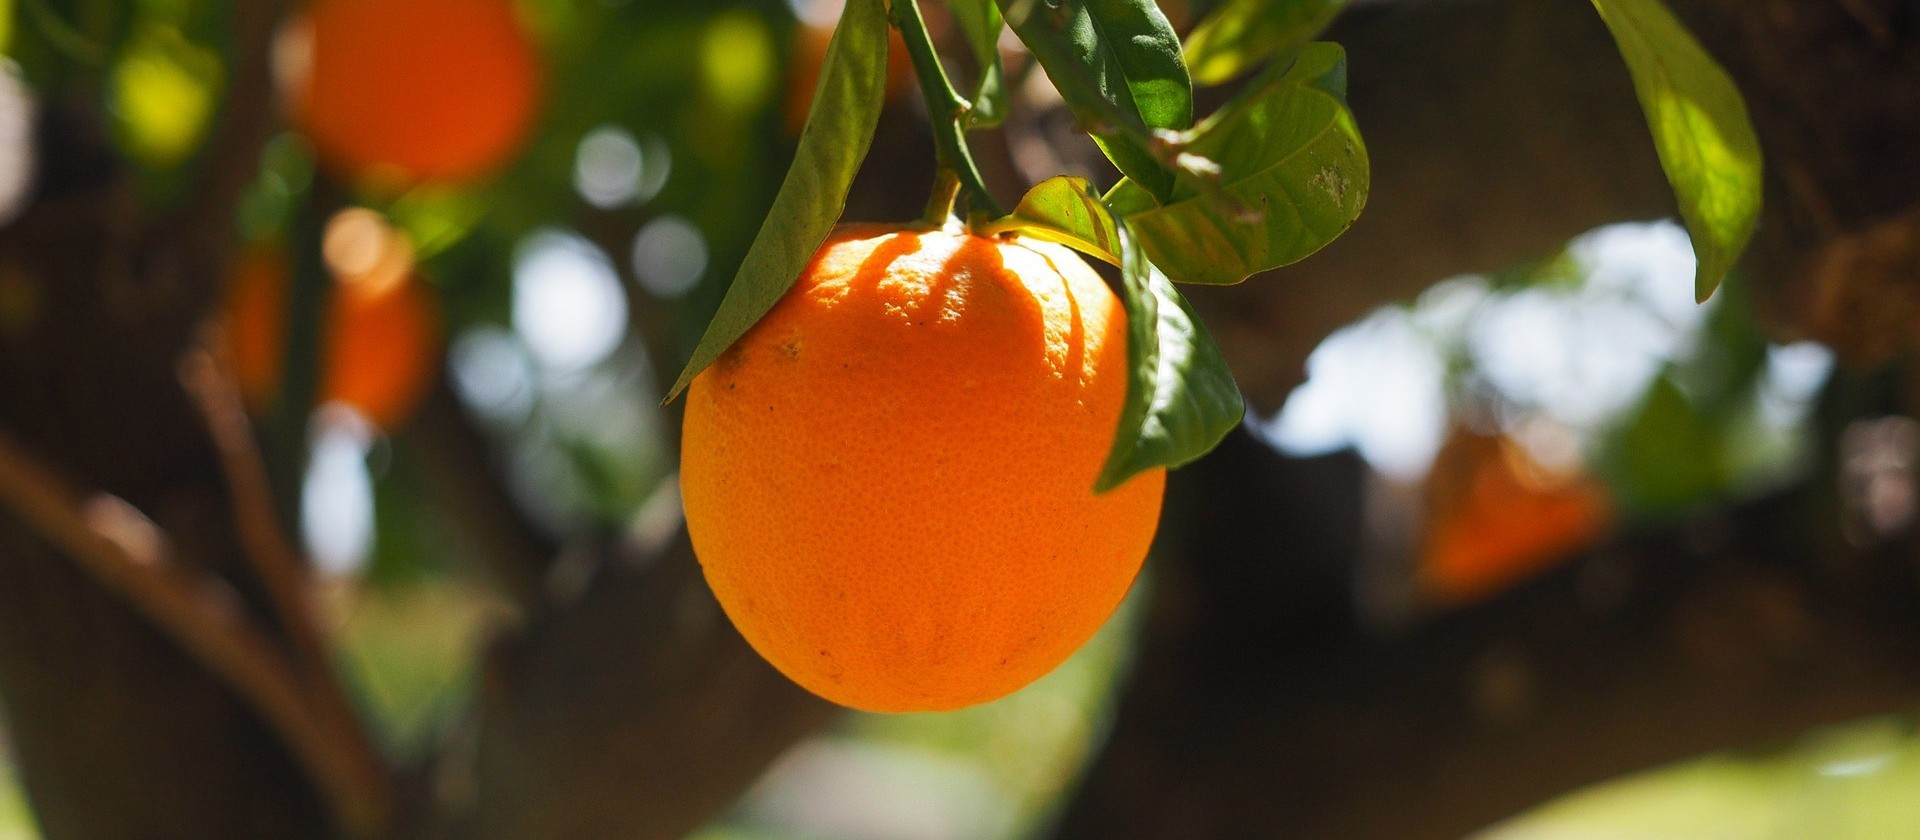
1497	518
382	340
889	479
418	90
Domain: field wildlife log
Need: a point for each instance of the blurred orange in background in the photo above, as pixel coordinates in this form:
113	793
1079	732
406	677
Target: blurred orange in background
808	54
382	324
401	91
1496	515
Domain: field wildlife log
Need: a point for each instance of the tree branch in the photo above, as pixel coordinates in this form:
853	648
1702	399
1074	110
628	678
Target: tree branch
634	712
1264	701
207	373
127	554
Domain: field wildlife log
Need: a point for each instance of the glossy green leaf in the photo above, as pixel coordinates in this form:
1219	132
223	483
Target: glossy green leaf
980	22
846	106
1147	51
1242	33
1181	398
1064	209
1294	176
1700	128
1080	53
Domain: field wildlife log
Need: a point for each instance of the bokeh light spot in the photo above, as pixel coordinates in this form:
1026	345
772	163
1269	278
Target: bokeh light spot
336	504
669	256
607	167
567	302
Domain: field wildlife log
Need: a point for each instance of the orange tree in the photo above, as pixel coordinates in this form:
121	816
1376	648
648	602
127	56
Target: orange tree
933	511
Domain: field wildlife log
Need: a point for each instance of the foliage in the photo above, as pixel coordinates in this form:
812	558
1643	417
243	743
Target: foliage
1700	128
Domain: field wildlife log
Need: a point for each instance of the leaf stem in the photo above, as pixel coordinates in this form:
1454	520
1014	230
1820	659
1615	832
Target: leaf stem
948	112
946	188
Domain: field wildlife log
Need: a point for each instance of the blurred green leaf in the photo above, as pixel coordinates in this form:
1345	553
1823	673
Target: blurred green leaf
1242	33
846	106
980	21
1851	782
1293	176
436	217
1700	128
737	59
1105	56
1668	459
163	92
1181	398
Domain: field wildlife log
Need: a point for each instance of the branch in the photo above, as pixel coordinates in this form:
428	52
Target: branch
206	371
248	118
1265	702
207	375
947	111
117	546
632	712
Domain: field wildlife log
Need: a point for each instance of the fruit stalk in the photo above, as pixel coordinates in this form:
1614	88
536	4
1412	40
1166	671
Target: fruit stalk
948	113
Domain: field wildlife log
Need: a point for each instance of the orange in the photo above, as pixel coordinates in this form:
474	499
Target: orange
382	339
889	479
415	90
1497	516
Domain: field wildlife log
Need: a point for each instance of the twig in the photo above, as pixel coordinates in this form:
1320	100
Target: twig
248	118
207	373
121	549
947	110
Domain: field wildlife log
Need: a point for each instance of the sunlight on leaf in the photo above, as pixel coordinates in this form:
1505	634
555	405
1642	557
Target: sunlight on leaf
1181	398
1700	128
1113	62
1064	209
1294	176
1242	33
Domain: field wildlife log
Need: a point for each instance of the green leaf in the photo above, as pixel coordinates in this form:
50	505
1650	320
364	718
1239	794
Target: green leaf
1700	128
980	22
1243	33
1181	398
846	106
1080	45
1293	177
1064	209
1147	51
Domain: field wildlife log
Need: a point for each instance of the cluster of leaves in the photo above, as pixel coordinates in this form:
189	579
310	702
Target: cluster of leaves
1270	178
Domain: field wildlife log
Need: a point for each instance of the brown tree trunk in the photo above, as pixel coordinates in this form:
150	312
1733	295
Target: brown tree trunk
118	733
1498	129
1264	704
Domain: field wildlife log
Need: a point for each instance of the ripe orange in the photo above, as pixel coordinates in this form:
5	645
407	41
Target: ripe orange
415	90
1496	516
382	338
889	479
